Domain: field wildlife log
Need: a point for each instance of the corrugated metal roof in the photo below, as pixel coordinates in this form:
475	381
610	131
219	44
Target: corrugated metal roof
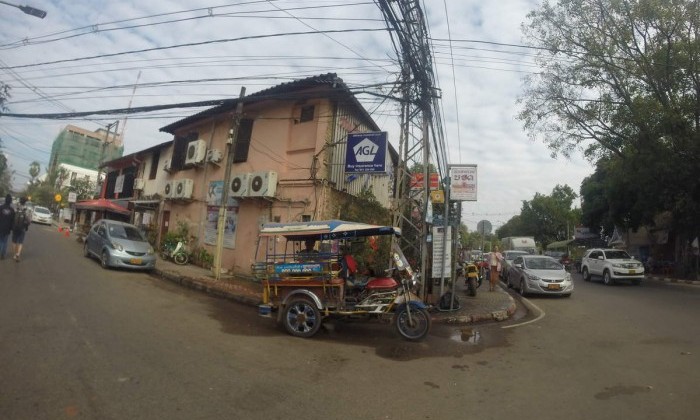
281	91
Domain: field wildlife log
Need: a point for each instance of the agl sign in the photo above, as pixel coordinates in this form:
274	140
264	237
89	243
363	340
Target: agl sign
366	153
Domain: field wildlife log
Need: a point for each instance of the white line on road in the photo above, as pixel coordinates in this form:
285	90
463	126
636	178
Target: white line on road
531	306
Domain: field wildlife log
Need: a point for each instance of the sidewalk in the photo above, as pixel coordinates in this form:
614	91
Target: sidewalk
485	306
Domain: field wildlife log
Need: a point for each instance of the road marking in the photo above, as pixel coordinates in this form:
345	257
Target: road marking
530	306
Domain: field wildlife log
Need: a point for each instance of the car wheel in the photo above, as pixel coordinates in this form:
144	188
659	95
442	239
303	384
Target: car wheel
607	279
636	282
586	274
521	288
301	318
508	283
566	295
86	252
104	259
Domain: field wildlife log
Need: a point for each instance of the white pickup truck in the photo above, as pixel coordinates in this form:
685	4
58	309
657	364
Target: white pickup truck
612	265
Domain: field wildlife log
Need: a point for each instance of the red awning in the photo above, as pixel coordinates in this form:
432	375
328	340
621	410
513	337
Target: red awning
101	204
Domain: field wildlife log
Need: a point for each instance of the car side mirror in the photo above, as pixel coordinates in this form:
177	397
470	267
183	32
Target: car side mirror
601	257
519	265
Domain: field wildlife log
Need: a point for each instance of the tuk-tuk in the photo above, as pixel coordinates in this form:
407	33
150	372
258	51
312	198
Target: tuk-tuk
304	287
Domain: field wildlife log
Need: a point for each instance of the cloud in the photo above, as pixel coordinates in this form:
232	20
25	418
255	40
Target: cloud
479	82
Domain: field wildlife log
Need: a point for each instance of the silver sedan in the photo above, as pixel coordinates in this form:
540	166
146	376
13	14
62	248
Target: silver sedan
539	274
119	245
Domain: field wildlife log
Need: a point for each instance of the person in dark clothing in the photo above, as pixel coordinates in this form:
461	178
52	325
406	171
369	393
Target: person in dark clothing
7	219
20	227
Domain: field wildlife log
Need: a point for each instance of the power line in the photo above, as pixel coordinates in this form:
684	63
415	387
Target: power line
193	44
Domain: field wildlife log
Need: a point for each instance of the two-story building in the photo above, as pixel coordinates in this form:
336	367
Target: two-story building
289	145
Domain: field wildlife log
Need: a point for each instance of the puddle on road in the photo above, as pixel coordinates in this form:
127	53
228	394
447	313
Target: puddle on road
467	335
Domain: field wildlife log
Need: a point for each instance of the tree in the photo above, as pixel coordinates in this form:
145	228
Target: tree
34	170
620	80
549	218
4	95
5	174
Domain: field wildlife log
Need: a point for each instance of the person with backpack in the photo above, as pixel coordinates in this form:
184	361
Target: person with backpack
7	220
20	227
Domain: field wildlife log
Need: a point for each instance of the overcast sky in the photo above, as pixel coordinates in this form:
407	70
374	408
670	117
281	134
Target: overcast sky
81	57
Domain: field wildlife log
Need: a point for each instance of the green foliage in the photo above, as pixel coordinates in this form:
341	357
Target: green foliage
548	218
619	81
4	95
34	170
171	238
201	257
366	209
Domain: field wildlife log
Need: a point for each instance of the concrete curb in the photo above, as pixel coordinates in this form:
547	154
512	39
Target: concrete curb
674	281
221	292
499	315
205	286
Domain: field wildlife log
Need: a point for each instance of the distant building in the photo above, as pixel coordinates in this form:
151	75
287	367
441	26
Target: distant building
84	148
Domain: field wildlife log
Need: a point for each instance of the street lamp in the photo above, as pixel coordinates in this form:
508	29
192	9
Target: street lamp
27	9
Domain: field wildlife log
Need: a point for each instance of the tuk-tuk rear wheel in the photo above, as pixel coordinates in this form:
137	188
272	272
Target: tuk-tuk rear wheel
301	318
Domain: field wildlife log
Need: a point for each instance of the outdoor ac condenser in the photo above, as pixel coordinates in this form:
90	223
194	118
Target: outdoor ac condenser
196	152
263	184
183	188
239	185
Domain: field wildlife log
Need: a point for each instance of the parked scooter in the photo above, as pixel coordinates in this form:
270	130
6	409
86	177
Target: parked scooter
472	278
177	254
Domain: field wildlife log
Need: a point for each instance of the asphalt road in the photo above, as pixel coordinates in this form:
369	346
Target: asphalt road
77	341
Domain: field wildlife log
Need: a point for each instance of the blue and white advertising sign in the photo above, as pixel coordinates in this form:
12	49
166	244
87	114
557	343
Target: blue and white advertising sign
366	152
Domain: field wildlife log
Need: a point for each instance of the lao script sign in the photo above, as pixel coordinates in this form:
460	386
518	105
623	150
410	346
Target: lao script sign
463	185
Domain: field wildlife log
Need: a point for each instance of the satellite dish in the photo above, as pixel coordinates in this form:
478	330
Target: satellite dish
484	227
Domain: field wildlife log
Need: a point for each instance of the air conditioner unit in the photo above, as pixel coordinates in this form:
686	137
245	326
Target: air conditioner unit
196	152
166	165
183	188
214	156
139	183
239	185
262	184
168	190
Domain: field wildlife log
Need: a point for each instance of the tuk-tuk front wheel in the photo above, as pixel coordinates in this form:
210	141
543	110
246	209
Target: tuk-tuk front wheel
301	318
417	328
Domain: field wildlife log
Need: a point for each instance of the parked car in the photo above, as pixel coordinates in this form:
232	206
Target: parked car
539	274
508	257
120	245
611	265
41	215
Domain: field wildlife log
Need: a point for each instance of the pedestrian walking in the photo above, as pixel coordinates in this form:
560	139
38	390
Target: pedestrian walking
495	259
7	220
20	227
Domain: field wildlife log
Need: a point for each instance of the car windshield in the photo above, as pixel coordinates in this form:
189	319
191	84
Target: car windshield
42	210
510	255
617	255
542	264
125	232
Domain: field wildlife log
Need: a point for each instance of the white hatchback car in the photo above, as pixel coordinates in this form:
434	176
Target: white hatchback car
539	274
41	215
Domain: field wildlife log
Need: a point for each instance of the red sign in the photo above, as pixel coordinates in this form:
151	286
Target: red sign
417	181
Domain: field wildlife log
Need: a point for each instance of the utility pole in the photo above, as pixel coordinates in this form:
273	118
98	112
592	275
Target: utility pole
28	10
221	223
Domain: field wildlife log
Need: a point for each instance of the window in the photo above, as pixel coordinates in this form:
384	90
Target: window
245	134
307	113
155	157
305	217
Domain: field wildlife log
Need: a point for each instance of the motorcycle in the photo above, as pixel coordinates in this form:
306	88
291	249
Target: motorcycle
307	290
178	253
472	278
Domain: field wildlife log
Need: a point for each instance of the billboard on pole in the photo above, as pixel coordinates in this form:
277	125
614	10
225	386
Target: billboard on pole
463	185
366	153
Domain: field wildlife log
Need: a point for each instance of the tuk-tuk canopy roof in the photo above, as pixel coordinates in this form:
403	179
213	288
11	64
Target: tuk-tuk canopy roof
326	229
